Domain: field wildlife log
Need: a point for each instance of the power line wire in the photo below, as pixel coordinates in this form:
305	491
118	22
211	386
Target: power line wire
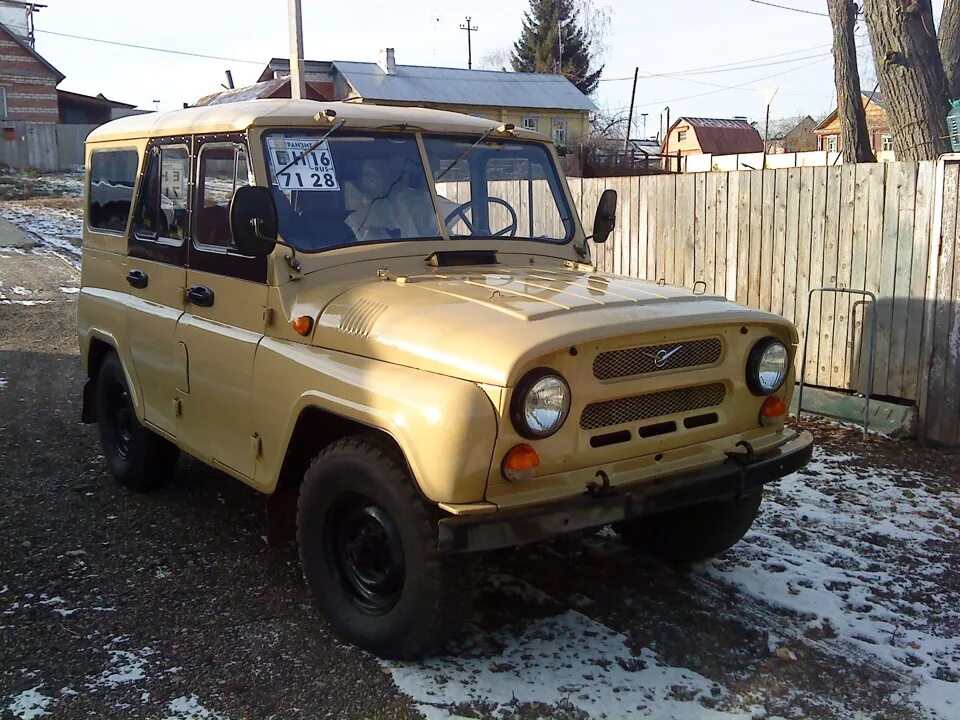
788	7
147	47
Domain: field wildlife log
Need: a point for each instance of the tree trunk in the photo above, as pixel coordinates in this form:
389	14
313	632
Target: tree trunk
911	76
950	45
854	136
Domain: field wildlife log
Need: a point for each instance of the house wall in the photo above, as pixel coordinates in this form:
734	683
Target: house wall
877	127
690	145
30	88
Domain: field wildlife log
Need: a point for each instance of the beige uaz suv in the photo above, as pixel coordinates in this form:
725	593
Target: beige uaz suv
387	320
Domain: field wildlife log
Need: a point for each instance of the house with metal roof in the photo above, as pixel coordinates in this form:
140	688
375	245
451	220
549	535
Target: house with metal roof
548	104
714	136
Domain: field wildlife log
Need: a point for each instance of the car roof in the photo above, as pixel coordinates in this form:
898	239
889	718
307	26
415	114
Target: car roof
239	116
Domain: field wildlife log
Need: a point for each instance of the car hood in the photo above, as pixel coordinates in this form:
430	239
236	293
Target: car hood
485	325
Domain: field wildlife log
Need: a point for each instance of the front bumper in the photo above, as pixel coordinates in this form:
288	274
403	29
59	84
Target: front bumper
736	477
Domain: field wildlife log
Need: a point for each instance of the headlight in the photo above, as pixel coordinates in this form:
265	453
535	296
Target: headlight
767	366
540	404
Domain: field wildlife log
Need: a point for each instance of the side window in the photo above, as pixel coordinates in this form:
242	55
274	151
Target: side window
223	168
112	177
162	208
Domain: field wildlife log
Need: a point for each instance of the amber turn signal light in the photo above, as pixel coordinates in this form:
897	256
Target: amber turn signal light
302	325
772	410
520	462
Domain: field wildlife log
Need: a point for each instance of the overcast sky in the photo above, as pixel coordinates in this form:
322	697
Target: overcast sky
659	37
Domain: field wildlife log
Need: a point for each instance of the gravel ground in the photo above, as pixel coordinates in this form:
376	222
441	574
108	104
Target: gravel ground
843	601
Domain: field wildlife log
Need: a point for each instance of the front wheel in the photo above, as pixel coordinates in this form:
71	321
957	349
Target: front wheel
138	458
693	533
369	552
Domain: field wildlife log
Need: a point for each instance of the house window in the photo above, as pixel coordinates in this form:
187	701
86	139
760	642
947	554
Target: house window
531	122
561	128
831	143
886	143
681	135
3	102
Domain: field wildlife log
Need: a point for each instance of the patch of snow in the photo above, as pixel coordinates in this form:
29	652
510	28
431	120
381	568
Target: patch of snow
189	708
69	290
3	384
20	290
126	667
29	704
565	662
55	228
829	545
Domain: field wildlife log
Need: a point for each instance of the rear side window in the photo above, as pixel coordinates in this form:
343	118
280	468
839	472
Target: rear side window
112	177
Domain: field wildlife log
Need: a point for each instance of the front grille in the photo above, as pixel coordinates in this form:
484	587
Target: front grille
649	358
651	405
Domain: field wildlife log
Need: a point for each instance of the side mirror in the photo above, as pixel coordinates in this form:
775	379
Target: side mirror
253	221
606	218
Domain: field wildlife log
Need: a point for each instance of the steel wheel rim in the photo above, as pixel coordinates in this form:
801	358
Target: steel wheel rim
121	411
364	545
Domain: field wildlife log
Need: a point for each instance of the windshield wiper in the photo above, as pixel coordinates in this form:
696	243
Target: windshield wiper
465	153
337	125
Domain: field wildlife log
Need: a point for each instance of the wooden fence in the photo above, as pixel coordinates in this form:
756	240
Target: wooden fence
42	146
765	238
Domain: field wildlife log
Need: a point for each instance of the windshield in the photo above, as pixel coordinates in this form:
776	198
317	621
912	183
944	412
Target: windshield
354	188
349	189
498	189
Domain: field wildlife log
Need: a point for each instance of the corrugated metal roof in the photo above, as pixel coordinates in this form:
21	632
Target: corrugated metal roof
258	91
414	83
722	136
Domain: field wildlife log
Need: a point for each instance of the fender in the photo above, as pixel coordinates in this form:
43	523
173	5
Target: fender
445	427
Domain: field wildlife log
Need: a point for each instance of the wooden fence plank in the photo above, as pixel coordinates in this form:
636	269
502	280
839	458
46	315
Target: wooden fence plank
699	227
842	343
779	242
815	277
758	223
804	228
910	381
683	247
858	268
743	235
831	235
950	414
876	197
888	274
733	228
906	173
790	250
720	249
710	231
669	234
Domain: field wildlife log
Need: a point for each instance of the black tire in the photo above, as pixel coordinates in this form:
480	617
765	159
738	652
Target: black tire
138	458
694	533
368	546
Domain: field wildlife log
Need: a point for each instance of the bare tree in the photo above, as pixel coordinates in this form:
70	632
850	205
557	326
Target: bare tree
911	75
854	136
498	59
950	44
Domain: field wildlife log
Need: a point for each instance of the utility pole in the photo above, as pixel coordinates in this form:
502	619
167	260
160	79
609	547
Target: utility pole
298	86
633	97
470	30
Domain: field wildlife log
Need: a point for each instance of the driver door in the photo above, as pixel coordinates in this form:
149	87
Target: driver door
223	321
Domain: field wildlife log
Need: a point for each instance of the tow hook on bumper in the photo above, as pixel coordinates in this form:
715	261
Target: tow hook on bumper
741	474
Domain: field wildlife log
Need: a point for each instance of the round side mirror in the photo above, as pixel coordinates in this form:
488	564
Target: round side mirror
253	221
606	217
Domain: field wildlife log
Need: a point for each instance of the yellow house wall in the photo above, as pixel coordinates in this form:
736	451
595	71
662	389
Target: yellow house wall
877	126
577	121
688	146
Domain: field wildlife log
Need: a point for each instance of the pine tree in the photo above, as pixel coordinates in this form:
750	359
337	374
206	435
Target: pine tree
548	26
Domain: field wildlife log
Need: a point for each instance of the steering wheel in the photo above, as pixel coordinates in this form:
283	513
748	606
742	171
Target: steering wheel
460	212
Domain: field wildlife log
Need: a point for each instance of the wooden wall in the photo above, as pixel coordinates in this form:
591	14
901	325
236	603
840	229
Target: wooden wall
765	238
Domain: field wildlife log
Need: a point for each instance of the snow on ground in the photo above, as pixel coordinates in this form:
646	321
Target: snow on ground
829	545
57	228
29	704
189	708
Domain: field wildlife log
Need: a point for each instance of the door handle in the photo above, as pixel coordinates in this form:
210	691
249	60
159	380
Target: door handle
200	295
137	279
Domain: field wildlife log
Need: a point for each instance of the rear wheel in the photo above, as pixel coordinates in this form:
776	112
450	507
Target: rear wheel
693	533
138	458
368	545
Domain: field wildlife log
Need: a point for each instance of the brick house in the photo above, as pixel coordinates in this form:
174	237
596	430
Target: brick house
28	83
